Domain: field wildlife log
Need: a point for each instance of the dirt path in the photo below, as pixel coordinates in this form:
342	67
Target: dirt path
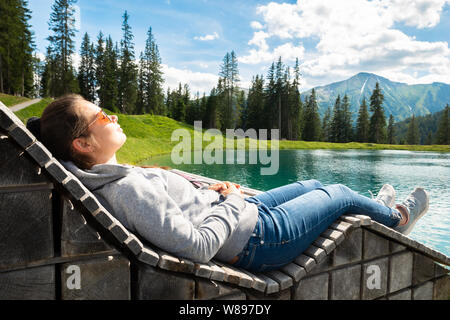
22	105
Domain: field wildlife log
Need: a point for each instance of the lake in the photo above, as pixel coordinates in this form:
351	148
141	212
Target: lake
361	170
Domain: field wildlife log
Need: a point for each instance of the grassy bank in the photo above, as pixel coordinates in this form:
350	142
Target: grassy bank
148	136
10	100
35	110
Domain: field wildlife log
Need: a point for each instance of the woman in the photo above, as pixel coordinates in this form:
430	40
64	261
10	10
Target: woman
259	233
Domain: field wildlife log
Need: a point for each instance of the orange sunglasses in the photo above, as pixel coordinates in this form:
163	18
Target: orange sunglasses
102	117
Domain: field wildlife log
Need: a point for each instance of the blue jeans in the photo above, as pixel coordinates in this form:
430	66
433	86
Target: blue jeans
293	216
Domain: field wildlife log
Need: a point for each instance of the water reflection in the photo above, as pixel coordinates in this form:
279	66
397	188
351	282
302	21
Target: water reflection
361	170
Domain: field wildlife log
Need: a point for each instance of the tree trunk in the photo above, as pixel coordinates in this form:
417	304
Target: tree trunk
1	75
23	84
279	115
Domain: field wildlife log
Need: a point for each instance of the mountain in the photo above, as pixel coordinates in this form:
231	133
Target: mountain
400	99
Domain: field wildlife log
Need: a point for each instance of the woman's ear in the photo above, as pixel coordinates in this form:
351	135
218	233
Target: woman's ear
82	145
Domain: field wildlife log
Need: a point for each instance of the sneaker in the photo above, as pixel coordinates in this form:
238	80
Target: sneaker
416	205
386	196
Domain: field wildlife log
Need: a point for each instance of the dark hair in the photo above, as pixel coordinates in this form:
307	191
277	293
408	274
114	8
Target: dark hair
61	122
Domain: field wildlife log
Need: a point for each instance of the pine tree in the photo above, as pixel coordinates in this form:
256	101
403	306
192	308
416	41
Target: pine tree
311	131
16	48
270	114
337	121
429	140
86	71
140	87
391	130
152	77
241	107
443	132
211	117
203	106
229	75
326	125
128	70
192	110
413	132
295	106
294	112
62	24
38	69
347	127
377	120
48	75
109	84
279	88
362	123
100	69
255	104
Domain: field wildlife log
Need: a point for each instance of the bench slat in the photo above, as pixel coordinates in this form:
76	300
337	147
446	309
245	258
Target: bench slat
283	280
365	220
171	263
216	272
326	244
318	254
259	284
272	285
148	256
235	276
342	226
202	270
334	235
294	270
355	222
306	262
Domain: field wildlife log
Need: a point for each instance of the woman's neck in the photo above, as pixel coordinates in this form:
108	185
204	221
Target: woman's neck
107	160
112	160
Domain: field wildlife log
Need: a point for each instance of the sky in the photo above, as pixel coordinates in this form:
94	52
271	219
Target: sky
402	40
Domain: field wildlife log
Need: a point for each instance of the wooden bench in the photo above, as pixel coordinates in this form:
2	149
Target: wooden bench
52	227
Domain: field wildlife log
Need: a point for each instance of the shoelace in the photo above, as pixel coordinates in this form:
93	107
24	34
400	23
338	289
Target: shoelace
409	203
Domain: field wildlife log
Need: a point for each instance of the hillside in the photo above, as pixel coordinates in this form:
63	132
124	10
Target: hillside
427	124
400	99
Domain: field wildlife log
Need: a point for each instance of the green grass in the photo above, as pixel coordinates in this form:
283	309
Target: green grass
359	145
10	100
33	110
148	136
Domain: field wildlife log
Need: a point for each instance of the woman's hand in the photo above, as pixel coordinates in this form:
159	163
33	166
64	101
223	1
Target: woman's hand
226	187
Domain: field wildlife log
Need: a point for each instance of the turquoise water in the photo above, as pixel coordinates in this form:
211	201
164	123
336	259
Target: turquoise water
361	170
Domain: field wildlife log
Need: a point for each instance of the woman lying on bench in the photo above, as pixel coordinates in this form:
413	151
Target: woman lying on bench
258	233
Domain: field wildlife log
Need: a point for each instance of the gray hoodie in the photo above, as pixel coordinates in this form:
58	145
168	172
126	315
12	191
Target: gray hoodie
169	212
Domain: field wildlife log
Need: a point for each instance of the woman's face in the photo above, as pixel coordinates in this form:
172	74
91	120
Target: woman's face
107	138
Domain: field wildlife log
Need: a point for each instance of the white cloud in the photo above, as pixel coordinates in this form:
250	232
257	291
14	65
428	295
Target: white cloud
287	51
208	37
256	25
198	81
415	13
352	36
